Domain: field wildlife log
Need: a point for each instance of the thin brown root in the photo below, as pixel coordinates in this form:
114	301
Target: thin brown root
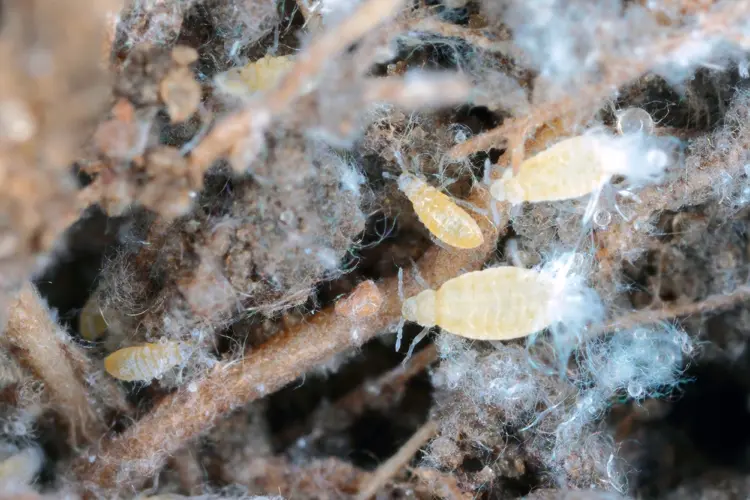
712	304
37	340
397	462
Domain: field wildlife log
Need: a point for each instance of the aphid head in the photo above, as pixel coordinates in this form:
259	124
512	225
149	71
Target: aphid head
507	189
420	308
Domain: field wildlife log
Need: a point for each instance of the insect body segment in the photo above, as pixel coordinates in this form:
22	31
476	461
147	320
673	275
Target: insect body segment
143	362
91	322
257	76
569	169
446	221
500	303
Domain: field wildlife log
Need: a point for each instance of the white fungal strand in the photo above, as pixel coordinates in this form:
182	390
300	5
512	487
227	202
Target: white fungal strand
143	362
494	304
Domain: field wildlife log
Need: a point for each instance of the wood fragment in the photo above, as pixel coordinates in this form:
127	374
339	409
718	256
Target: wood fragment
397	462
37	339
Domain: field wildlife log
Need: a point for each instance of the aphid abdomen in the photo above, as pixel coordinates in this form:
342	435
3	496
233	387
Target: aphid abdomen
569	169
494	304
143	362
444	219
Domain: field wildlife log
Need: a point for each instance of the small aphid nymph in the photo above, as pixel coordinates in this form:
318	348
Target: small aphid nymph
445	220
91	323
256	76
143	362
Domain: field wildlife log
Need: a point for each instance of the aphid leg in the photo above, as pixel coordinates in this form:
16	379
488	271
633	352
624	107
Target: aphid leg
400	160
591	205
401	284
495	213
440	244
487	173
418	277
415	342
399	333
471	207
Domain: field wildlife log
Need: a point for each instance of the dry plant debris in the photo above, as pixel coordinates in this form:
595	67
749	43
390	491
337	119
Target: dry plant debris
214	232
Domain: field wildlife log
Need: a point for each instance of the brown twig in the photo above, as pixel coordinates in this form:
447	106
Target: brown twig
390	383
37	338
188	470
473	36
141	450
620	72
713	303
441	484
398	461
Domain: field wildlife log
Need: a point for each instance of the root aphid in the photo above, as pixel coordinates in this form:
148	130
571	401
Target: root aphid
445	220
581	165
143	362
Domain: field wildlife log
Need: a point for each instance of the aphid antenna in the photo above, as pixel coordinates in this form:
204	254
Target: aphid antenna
402	321
418	277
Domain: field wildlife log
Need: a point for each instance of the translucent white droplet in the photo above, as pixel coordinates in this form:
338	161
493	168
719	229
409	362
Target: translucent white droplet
602	218
634	120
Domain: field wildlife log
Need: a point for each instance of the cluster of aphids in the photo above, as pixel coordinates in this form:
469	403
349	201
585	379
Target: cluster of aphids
503	303
497	303
145	362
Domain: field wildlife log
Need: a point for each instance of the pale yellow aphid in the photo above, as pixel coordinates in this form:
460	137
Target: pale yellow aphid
446	221
91	323
20	468
143	362
571	168
499	303
256	76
